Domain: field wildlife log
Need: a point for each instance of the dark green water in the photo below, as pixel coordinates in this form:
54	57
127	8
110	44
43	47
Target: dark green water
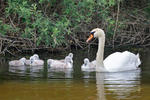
42	83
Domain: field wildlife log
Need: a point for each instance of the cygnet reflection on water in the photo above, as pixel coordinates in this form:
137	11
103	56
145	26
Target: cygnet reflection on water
122	84
16	69
60	72
33	71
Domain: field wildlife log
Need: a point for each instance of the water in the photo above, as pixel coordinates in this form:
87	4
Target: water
38	83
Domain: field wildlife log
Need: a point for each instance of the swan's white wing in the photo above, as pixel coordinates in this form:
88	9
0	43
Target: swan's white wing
121	61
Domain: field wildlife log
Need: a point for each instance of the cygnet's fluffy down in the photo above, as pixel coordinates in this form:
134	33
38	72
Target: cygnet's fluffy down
88	65
69	55
27	62
34	57
36	61
59	64
20	62
59	61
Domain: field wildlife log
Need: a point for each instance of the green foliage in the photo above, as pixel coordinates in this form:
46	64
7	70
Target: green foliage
5	28
48	22
147	10
104	14
38	27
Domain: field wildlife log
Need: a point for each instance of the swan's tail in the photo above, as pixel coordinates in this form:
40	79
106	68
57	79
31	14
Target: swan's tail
138	60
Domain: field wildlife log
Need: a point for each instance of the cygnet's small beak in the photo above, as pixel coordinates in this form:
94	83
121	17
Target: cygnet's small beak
90	38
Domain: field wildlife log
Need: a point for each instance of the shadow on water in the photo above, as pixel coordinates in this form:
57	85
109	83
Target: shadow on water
43	82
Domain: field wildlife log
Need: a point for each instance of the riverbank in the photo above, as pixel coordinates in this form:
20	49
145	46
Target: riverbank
53	26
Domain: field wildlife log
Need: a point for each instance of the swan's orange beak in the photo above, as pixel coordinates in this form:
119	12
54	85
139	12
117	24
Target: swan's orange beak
90	38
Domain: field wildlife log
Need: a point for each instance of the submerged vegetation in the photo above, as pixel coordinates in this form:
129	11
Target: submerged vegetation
52	24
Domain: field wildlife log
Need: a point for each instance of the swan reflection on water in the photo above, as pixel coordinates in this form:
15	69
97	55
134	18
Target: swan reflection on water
121	84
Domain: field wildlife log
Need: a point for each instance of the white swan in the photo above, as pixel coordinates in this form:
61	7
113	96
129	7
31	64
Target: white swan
87	66
59	64
118	61
20	62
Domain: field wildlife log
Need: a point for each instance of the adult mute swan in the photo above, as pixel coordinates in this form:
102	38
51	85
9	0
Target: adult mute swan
118	61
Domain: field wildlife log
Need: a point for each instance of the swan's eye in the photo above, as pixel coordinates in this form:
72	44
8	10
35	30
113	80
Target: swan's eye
92	32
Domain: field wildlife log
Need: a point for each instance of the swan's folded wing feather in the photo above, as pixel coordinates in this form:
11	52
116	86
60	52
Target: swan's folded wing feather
120	61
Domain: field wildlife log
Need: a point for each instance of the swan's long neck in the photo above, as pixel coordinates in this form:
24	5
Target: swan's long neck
100	52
